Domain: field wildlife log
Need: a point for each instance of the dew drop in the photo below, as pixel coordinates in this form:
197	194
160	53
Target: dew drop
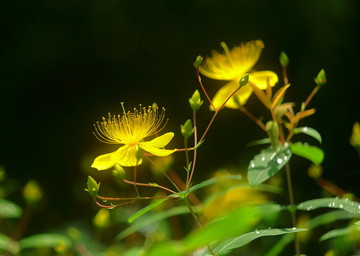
104	200
252	164
263	158
279	160
293	228
359	207
309	207
257	231
341	206
305	129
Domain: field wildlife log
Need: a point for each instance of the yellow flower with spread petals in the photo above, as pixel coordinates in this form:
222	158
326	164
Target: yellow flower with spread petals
130	129
232	65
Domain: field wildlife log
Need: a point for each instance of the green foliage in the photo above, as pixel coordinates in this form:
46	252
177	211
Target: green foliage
244	239
266	164
146	209
309	131
9	209
312	153
45	240
338	203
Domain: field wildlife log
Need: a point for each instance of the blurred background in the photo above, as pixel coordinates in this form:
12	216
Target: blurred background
66	63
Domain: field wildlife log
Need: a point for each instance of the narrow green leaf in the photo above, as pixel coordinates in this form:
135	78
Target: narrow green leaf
338	203
151	218
44	240
6	244
357	223
309	131
242	240
9	210
312	153
336	233
258	142
267	164
330	217
146	209
234	223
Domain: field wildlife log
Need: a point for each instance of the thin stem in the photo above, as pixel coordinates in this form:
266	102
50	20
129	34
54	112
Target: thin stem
203	88
292	207
285	77
197	221
148	185
188	180
187	162
252	117
311	96
134	198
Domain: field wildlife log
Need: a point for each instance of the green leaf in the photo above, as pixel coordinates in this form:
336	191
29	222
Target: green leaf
146	209
242	240
9	210
258	142
151	218
330	217
335	233
312	153
309	131
338	203
267	164
44	240
357	223
92	187
6	244
236	222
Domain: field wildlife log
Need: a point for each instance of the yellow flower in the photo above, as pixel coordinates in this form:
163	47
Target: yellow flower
130	129
231	66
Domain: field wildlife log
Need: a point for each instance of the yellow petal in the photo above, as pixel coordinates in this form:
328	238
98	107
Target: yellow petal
103	162
154	145
260	78
234	63
160	141
124	156
156	151
240	96
127	156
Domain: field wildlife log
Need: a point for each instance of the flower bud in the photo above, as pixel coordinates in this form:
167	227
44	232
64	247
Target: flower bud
284	60
187	129
92	187
244	80
32	193
195	101
198	61
320	80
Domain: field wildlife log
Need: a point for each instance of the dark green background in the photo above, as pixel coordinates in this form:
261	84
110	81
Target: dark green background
66	63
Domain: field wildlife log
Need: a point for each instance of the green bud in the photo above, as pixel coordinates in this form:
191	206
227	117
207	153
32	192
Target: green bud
187	129
272	129
320	80
118	171
244	80
315	171
195	101
92	187
32	193
198	61
102	219
284	60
